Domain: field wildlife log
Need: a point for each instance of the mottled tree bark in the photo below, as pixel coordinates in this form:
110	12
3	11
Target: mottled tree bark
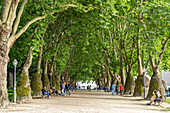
6	21
138	85
39	60
129	86
104	76
25	71
155	69
122	73
4	102
45	75
57	77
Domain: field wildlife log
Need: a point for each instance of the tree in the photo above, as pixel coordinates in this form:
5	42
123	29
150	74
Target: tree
9	24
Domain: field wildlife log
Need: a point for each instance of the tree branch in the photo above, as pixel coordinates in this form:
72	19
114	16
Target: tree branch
5	10
13	38
134	62
17	21
151	60
163	50
147	64
12	14
69	5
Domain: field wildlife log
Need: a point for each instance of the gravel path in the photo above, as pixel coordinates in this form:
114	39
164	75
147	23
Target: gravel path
87	102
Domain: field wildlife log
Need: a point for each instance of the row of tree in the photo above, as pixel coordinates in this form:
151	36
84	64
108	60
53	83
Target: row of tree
83	39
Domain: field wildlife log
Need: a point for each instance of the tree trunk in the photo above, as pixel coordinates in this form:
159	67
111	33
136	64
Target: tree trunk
5	30
45	75
10	80
138	84
104	77
108	78
129	86
156	84
113	79
122	73
25	71
139	55
39	60
51	71
57	77
156	81
52	64
4	102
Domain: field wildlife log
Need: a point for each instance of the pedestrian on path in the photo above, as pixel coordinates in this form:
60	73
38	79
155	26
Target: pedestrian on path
63	89
113	89
108	88
121	89
69	89
117	88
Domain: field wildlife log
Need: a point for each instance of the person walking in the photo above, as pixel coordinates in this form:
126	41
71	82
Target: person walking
121	89
97	87
69	89
63	89
113	89
66	88
75	87
108	88
117	87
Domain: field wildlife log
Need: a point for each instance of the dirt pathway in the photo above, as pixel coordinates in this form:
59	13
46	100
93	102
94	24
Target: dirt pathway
87	102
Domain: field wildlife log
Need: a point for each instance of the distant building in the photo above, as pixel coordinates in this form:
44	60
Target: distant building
83	85
166	77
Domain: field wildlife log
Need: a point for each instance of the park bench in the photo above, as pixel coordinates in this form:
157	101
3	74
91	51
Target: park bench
43	96
127	92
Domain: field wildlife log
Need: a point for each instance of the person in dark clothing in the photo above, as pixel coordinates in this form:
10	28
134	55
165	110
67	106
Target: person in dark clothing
61	88
66	88
158	99
45	92
153	98
55	91
69	89
117	89
75	88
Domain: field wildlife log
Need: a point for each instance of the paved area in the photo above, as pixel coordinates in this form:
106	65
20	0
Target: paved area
88	102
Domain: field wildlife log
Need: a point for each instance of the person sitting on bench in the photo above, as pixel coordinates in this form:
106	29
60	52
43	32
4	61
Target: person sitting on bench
55	91
158	95
45	92
154	98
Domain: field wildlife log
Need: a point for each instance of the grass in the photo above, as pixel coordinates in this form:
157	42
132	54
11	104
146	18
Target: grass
168	100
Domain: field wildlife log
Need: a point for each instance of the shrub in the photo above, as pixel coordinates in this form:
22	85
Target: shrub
129	86
57	83
154	85
46	81
22	89
36	83
53	81
10	94
10	97
138	86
